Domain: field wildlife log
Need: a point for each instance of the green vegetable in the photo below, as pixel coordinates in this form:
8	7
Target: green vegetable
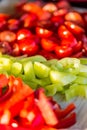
61	77
41	70
67	76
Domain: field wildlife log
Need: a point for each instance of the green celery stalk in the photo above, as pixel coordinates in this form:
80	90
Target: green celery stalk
16	68
81	80
5	64
52	89
83	70
37	58
28	70
41	70
61	77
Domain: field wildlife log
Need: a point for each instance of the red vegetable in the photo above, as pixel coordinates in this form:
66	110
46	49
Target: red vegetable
32	109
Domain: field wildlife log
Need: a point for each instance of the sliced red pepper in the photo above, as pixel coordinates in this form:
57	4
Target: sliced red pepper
49	128
31	119
61	113
67	122
15	83
3	81
16	99
46	109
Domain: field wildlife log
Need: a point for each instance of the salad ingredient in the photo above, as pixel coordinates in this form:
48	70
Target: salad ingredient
53	30
25	107
64	76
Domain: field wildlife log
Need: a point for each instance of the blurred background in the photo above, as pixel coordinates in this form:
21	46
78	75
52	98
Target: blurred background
7	5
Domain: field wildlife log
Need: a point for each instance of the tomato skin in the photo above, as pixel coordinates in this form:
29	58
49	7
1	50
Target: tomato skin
74	28
13	24
42	32
23	33
3	24
48	44
67	38
28	20
7	36
28	46
63	51
74	17
16	50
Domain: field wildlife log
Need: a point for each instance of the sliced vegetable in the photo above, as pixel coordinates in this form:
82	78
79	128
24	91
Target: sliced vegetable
32	109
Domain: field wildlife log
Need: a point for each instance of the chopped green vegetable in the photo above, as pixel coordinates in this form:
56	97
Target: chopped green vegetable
67	76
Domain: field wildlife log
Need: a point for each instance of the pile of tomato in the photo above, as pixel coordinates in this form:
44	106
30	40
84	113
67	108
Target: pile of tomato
54	30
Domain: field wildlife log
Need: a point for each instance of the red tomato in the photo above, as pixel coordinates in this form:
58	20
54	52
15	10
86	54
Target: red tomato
29	19
48	55
78	47
13	24
42	32
3	24
63	51
50	7
23	33
64	33
47	44
15	50
7	36
74	17
28	46
57	19
67	38
75	29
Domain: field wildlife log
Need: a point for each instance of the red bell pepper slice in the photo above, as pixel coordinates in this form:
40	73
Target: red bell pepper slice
61	113
67	122
16	100
46	109
3	82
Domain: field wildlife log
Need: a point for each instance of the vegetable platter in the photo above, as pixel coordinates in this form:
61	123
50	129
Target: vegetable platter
43	50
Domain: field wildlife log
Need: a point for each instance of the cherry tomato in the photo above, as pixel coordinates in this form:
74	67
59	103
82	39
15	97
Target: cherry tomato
16	50
29	19
57	19
74	17
42	32
28	46
13	24
75	29
47	44
7	36
50	7
63	51
48	55
5	48
23	33
67	38
3	24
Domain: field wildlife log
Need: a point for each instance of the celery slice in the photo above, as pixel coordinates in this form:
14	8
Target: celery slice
29	71
41	70
76	90
5	64
70	65
61	77
81	80
16	68
37	58
83	70
53	89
